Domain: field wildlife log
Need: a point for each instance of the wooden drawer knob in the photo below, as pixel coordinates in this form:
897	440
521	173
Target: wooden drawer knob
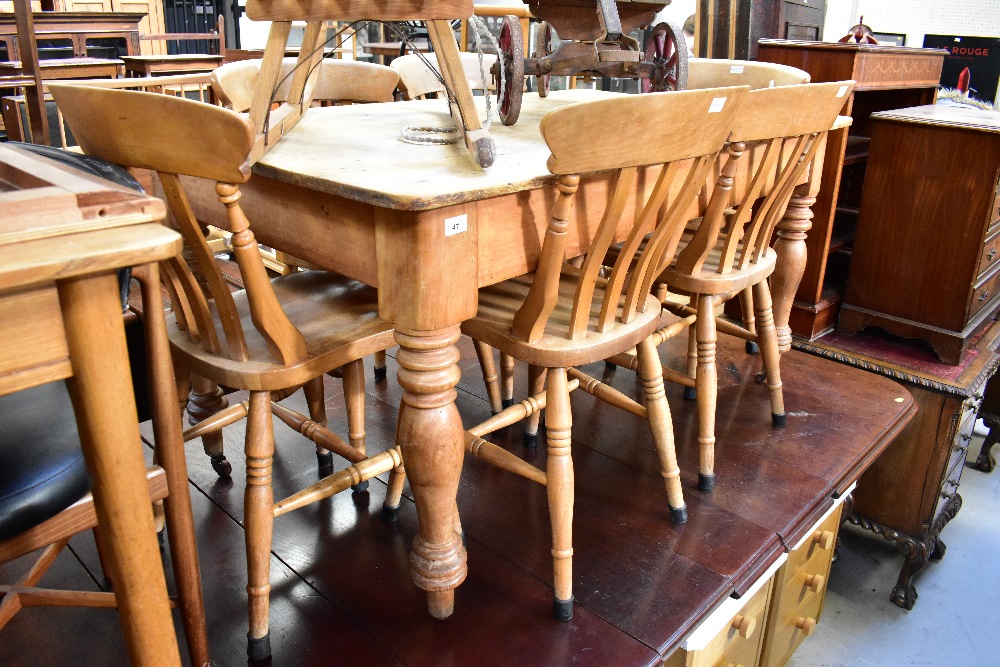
806	625
824	538
745	625
815	582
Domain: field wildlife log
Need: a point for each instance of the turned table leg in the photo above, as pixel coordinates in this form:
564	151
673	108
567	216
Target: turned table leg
790	246
430	436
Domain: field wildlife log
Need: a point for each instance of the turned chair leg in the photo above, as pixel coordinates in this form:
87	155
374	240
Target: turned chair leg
559	471
490	378
258	512
354	397
769	353
205	400
317	412
658	413
506	380
397	478
380	366
706	381
747	308
536	383
691	393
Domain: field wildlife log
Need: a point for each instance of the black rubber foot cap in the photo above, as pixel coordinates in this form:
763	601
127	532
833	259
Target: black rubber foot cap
390	513
690	393
706	482
221	466
325	464
609	367
679	515
562	610
506	403
259	649
778	420
380	374
751	347
531	440
361	487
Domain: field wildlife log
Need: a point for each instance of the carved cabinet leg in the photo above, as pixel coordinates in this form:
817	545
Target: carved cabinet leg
431	439
985	460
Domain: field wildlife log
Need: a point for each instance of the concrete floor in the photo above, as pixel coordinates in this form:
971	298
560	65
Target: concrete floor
954	621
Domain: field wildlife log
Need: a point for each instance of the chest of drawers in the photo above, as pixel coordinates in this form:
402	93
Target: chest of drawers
926	257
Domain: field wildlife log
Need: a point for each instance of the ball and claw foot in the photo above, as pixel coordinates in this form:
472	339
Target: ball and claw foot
221	466
679	515
690	393
380	374
706	482
751	347
259	649
779	421
904	596
939	550
562	610
390	514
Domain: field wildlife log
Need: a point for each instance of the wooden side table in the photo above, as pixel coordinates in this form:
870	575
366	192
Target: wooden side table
70	68
170	64
62	237
911	492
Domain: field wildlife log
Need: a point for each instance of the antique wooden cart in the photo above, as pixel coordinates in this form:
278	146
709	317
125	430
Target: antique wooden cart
595	41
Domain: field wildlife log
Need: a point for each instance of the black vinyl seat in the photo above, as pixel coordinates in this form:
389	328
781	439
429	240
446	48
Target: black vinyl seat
41	465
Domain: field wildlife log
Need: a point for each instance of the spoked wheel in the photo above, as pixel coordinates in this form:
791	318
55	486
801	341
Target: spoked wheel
667	50
544	48
511	44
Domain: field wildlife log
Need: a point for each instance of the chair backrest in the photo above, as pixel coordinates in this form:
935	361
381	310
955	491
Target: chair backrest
338	81
625	134
775	136
175	136
713	72
420	81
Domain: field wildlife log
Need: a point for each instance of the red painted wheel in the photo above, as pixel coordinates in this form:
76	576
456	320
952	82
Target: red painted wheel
544	48
511	44
667	51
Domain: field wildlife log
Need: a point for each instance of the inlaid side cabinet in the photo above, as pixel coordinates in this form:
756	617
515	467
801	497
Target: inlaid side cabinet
926	261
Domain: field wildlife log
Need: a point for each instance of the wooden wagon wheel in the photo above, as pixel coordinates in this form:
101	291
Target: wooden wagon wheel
667	50
544	48
511	44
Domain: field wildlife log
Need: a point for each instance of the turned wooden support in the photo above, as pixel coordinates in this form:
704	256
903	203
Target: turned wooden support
790	246
432	442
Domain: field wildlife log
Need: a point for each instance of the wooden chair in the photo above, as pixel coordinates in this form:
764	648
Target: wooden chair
713	72
775	137
564	315
338	82
269	339
420	82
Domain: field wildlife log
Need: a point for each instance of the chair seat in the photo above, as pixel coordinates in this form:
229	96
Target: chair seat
709	281
337	316
495	316
41	465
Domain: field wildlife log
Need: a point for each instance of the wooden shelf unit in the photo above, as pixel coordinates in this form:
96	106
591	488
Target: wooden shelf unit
888	77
